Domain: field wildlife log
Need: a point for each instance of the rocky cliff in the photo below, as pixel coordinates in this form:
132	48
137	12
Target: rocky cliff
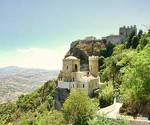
87	47
84	48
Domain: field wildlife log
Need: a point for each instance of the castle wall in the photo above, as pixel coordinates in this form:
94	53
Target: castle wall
79	75
115	39
68	76
67	85
93	84
82	85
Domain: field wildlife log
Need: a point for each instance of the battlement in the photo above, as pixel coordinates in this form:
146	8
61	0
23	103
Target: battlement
126	30
127	27
93	57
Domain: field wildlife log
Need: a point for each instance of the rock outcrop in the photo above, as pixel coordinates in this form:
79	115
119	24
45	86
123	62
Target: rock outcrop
61	96
84	48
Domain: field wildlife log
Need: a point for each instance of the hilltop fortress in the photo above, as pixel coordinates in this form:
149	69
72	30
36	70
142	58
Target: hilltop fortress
123	34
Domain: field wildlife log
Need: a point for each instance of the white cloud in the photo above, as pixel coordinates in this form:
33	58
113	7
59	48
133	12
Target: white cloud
39	58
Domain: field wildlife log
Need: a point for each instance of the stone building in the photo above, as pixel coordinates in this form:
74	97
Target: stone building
123	34
125	31
72	78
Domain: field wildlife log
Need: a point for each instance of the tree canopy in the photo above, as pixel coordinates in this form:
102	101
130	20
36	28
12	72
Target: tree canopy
78	108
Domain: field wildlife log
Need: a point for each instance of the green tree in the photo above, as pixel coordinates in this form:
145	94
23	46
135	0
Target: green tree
129	39
102	120
103	52
135	88
6	110
109	48
149	31
50	118
143	42
135	42
140	34
78	108
106	95
136	85
118	49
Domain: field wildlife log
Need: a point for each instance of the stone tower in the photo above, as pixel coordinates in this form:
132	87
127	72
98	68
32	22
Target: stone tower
93	65
125	31
71	64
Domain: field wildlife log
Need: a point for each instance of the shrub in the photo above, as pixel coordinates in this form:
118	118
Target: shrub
106	95
78	108
102	120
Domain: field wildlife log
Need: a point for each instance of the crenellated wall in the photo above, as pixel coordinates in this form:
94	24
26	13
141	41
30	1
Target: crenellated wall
123	34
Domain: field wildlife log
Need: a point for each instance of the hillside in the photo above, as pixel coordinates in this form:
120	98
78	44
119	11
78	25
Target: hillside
15	81
125	72
29	107
37	108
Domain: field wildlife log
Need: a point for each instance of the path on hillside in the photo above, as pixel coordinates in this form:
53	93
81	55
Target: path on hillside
115	112
112	111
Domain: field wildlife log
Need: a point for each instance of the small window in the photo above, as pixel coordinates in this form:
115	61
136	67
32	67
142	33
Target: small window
83	85
67	67
76	68
73	85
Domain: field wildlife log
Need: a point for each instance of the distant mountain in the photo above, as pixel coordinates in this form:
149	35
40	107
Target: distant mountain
15	81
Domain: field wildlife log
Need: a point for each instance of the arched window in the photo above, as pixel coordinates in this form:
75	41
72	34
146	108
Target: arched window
83	85
76	68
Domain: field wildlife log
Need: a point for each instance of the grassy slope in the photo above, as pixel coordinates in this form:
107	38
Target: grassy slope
29	106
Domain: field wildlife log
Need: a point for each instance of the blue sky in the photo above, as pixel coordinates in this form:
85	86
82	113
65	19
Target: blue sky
29	28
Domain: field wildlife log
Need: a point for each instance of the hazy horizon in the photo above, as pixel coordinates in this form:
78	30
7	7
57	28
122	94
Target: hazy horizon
38	33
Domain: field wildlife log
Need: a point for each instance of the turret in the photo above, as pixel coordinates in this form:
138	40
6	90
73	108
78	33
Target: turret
71	64
93	65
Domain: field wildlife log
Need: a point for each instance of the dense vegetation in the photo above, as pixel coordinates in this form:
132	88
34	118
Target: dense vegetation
102	120
128	70
31	108
37	108
106	95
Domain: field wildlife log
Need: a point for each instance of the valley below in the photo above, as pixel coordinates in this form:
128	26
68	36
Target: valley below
15	81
